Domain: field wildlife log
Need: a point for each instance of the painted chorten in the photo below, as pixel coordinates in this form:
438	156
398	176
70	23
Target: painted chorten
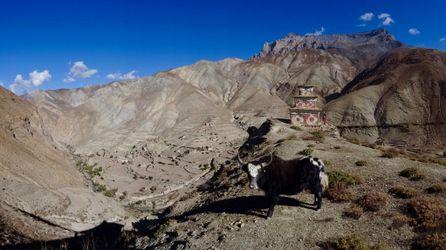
305	111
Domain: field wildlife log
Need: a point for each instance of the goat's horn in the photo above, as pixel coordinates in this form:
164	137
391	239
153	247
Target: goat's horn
240	159
270	159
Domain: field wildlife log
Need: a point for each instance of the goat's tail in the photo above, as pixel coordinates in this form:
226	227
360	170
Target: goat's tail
324	180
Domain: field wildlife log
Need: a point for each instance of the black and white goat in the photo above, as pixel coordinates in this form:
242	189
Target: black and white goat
276	176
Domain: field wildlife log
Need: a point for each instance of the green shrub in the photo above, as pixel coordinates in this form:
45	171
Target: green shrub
307	151
343	177
110	192
403	192
99	187
361	163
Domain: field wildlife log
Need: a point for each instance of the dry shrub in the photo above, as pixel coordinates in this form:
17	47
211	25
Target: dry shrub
403	192
433	240
307	151
295	127
412	173
400	220
361	163
427	212
354	211
436	188
348	242
417	177
373	201
354	141
340	192
318	135
328	163
342	177
390	153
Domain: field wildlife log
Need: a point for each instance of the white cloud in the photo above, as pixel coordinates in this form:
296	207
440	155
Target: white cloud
120	76
386	19
316	32
414	31
2	84
443	39
383	15
79	70
23	86
366	16
361	25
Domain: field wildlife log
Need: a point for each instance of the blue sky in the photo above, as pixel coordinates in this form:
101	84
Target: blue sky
67	44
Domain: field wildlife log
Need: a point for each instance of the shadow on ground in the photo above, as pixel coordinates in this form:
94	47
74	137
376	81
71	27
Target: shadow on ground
249	205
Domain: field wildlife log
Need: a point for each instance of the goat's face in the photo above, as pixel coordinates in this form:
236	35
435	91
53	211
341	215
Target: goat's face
254	172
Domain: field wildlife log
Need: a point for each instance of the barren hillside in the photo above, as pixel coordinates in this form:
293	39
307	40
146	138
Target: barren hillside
401	100
39	179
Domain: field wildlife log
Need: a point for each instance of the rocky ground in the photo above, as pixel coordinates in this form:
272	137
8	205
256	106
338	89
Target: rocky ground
224	214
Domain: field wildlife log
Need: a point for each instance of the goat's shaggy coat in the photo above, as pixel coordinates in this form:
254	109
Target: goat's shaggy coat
276	176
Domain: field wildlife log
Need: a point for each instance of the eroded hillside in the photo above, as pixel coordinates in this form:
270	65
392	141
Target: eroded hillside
401	100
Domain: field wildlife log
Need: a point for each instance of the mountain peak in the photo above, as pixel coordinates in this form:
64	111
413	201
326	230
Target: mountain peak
379	38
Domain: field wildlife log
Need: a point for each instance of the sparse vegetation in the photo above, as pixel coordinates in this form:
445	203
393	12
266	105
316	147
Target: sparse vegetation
203	167
403	192
340	192
427	212
389	153
436	188
354	211
91	170
307	151
317	135
431	240
297	128
123	195
361	163
412	173
110	192
399	220
99	187
353	140
373	201
342	177
348	242
152	189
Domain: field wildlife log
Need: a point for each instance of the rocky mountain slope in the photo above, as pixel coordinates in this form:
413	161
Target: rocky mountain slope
122	113
38	179
401	100
326	61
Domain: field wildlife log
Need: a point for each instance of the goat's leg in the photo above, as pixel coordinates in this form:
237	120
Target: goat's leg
317	197
273	200
319	200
